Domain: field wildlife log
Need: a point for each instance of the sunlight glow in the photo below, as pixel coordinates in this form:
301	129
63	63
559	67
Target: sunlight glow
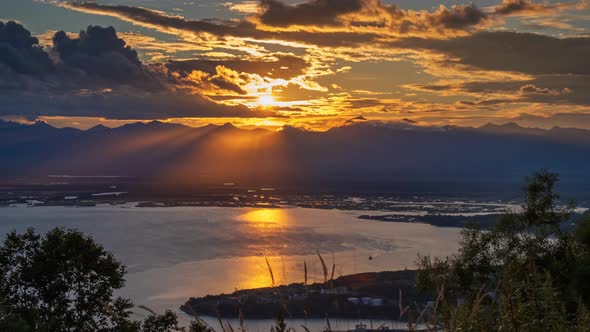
252	272
255	272
267	100
265	217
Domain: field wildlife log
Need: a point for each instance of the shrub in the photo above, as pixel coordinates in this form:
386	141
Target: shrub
527	273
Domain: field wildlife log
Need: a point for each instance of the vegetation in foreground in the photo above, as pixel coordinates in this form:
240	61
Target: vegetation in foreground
64	281
527	273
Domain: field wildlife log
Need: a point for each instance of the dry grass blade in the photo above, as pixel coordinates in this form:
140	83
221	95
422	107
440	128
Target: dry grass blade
323	266
305	272
420	318
203	323
402	310
147	309
439	298
229	328
220	321
272	276
286	309
432	323
283	269
194	313
242	328
481	295
199	319
433	327
328	326
305	328
333	270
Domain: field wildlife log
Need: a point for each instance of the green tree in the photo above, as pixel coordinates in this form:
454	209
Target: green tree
62	281
526	273
582	272
168	322
199	325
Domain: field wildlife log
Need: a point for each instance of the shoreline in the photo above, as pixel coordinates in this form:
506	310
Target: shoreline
436	211
368	295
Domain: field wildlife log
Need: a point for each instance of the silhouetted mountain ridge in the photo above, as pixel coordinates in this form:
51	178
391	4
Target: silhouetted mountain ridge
361	152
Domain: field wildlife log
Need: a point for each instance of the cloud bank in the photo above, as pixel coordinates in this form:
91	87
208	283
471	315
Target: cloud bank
319	62
94	74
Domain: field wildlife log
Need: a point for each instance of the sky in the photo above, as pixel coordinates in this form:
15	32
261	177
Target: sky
313	64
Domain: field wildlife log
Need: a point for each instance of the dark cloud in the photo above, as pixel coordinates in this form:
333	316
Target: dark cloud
531	88
96	75
509	7
458	18
364	102
95	41
121	105
511	51
98	60
559	68
99	52
549	89
323	20
494	101
224	84
327	13
20	52
357	119
285	66
568	89
559	89
563	120
221	29
410	121
156	19
315	12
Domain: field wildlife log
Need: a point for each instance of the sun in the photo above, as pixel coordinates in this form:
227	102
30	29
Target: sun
266	100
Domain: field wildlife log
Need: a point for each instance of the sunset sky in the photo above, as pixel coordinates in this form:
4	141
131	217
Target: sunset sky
314	64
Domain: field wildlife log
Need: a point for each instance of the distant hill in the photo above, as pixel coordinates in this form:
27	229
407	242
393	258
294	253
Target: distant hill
364	154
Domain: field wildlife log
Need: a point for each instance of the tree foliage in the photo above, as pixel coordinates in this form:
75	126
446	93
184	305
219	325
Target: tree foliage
526	274
65	281
168	322
62	281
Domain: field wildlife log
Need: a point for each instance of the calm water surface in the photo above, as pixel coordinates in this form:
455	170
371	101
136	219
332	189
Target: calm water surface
175	253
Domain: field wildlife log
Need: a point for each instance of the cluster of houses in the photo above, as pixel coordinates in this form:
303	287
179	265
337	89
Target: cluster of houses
298	294
373	302
366	295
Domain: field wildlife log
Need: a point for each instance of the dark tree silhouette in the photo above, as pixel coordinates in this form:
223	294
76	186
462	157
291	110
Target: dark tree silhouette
62	281
529	272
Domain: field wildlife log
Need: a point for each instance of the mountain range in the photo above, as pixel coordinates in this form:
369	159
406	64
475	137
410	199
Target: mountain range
365	153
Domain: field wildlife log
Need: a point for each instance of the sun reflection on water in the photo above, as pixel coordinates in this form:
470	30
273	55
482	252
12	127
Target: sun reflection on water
266	218
253	271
